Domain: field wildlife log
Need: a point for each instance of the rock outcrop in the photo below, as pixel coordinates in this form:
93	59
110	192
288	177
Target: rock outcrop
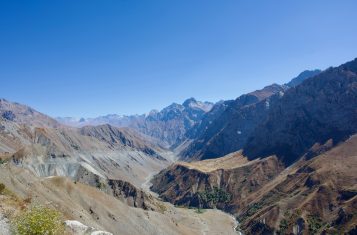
77	228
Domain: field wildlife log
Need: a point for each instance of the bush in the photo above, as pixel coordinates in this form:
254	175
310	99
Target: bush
38	220
315	224
2	188
217	195
284	225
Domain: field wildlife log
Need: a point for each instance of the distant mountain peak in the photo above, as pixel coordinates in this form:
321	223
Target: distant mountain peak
168	124
187	102
153	112
192	103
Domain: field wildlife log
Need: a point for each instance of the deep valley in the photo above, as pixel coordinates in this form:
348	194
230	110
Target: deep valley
279	160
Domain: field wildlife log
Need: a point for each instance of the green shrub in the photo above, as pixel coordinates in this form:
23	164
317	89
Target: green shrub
315	224
38	220
214	196
283	226
2	188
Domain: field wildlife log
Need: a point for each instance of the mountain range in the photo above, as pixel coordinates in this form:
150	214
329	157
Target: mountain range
168	125
278	160
292	173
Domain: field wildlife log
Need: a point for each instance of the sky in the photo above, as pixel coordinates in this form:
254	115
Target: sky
89	58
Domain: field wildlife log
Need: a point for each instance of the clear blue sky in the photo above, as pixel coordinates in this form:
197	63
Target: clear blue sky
89	58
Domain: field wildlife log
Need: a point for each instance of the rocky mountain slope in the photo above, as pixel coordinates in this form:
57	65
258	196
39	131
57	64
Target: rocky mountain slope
302	77
228	126
312	196
320	109
231	128
103	150
23	114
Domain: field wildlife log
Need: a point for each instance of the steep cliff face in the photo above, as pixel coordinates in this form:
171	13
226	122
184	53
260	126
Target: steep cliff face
126	192
130	194
321	108
228	126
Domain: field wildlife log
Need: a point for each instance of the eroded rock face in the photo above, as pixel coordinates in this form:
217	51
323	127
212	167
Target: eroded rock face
120	189
320	109
133	196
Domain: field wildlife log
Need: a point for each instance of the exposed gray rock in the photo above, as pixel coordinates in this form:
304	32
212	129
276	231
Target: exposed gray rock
4	226
77	228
